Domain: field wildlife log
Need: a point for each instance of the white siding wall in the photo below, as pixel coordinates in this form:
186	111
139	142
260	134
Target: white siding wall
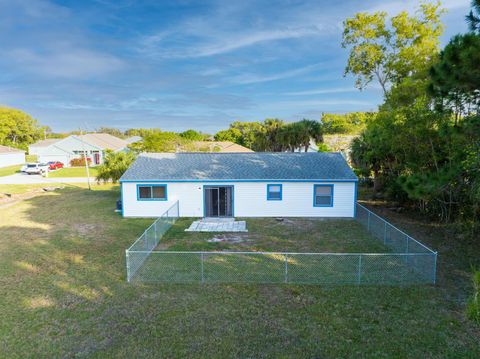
250	200
10	159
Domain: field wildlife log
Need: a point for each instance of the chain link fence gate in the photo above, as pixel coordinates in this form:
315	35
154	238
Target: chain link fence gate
410	262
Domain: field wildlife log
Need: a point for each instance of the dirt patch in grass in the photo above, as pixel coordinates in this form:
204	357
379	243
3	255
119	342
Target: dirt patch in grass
8	199
86	229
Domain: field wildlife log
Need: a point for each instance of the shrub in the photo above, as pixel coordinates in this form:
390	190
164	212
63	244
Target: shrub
323	147
78	162
473	306
114	166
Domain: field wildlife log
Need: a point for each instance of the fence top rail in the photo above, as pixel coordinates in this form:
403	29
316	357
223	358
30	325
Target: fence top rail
163	215
283	253
391	225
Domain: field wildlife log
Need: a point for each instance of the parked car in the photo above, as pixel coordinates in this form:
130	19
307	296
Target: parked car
35	168
54	165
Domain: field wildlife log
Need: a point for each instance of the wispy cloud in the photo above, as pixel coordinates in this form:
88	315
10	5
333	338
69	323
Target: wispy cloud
326	91
160	44
66	61
247	79
322	91
394	7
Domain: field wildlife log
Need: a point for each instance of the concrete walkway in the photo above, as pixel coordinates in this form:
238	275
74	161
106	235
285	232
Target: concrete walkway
217	225
22	178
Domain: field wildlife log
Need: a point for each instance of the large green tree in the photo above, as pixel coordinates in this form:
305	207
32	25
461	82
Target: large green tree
159	141
389	51
18	129
419	154
455	78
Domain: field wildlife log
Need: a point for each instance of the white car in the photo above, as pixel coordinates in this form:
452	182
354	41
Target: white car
35	168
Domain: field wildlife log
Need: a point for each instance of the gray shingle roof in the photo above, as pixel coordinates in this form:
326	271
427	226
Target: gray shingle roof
239	166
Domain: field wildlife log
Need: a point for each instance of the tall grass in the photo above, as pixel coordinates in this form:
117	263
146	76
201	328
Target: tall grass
473	306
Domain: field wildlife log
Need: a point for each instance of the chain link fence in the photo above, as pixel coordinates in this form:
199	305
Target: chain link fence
409	263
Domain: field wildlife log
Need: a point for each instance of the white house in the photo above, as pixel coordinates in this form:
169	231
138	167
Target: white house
240	184
10	156
74	146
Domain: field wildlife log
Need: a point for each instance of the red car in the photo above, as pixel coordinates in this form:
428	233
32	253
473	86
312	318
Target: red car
54	165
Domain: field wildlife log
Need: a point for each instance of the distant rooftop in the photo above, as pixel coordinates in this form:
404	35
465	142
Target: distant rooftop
239	166
220	146
46	143
104	141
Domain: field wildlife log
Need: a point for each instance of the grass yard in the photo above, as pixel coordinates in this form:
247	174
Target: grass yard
10	170
64	294
73	172
293	235
270	235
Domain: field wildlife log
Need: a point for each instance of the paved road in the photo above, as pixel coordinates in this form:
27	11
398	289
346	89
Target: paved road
21	178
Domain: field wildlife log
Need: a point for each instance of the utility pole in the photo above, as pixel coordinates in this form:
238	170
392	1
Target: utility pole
85	158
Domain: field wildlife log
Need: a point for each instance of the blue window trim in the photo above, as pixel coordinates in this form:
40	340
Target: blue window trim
268	192
315	191
151	185
215	186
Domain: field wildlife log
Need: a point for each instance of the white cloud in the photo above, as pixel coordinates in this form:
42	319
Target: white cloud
230	44
204	42
255	78
395	7
322	91
66	61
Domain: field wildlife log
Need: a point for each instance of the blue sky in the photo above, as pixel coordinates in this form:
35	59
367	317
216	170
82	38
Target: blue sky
183	64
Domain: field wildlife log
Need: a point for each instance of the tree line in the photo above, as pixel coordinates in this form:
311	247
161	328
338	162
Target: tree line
422	147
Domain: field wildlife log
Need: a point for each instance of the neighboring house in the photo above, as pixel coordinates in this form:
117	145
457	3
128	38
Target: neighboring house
10	156
218	146
75	146
240	184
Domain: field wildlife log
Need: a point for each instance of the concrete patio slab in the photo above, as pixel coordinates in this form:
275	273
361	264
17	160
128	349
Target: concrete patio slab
217	225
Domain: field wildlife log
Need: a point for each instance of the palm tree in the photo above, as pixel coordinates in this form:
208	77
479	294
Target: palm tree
311	130
273	127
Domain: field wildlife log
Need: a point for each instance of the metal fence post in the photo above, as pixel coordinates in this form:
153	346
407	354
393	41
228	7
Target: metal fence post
359	275
128	266
368	223
201	267
286	268
385	233
435	269
407	249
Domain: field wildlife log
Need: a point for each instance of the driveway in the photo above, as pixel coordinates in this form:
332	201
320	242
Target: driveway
21	178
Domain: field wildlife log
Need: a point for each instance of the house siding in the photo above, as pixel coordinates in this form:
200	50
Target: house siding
63	151
10	159
249	199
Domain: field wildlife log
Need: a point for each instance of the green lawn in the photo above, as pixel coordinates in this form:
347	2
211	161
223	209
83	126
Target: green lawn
73	172
10	170
270	235
64	294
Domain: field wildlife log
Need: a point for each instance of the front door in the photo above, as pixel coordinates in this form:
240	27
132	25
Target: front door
218	201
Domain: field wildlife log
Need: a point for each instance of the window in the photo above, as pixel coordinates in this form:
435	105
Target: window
152	192
323	195
274	192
